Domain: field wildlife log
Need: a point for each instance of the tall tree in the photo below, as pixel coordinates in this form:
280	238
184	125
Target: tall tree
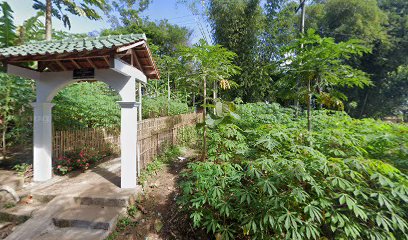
210	64
126	12
166	36
62	8
319	64
237	26
364	20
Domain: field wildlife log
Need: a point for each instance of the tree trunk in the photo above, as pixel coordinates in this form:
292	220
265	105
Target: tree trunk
194	104
215	93
168	92
204	116
302	31
302	16
48	21
364	105
309	107
3	141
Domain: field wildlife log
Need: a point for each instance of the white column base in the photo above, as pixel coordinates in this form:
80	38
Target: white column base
42	141
128	142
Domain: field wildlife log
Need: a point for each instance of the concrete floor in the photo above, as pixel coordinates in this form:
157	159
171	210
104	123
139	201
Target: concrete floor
97	188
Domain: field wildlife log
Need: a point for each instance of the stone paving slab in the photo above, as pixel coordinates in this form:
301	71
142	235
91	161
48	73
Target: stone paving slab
95	217
21	212
91	199
72	234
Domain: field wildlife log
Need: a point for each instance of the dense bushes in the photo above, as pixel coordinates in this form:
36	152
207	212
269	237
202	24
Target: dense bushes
86	105
267	178
97	107
160	107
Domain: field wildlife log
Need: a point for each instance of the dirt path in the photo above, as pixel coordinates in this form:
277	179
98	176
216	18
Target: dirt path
162	218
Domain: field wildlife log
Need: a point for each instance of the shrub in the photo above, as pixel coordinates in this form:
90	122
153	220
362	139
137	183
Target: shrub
187	136
80	159
23	169
159	107
168	154
263	180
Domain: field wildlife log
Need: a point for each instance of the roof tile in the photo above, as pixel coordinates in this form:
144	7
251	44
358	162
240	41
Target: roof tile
69	45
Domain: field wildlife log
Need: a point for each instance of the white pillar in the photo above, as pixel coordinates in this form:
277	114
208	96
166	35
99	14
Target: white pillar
128	142
140	100
42	141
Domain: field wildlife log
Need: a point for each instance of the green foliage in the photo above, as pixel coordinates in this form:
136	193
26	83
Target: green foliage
314	66
380	24
258	39
86	105
188	136
163	34
23	168
394	88
263	181
210	63
79	159
237	26
126	12
16	94
360	19
160	106
168	154
7	27
124	223
32	29
61	9
321	62
9	205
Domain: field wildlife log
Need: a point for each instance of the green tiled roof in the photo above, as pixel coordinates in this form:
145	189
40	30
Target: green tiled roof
70	45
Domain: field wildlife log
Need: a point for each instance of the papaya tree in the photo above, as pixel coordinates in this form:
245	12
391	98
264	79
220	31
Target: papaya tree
316	69
209	64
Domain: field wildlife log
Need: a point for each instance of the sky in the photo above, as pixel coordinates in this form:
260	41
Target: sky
159	9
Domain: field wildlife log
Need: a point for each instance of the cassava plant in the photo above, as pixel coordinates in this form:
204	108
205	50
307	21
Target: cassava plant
263	181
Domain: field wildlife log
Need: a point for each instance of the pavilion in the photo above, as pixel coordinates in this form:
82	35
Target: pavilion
123	62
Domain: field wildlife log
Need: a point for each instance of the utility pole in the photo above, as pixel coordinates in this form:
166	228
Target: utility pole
302	31
302	15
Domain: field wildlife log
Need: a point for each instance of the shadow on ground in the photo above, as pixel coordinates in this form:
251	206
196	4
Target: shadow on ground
162	218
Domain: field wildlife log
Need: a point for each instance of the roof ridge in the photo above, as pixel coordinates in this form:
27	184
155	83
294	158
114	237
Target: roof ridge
87	38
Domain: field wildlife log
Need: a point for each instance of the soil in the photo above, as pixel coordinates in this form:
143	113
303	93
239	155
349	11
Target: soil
16	155
160	217
6	228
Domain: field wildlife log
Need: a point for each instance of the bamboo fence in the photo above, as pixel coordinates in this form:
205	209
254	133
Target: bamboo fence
153	135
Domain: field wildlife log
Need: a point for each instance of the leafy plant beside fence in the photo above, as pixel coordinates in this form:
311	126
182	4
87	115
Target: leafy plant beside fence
263	180
153	135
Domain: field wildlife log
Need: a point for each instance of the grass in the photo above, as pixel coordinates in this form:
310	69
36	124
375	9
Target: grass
168	155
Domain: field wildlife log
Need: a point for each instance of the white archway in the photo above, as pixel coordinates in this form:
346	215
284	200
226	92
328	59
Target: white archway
121	77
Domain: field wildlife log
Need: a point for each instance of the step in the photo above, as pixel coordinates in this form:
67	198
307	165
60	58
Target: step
88	216
23	210
73	234
105	201
108	197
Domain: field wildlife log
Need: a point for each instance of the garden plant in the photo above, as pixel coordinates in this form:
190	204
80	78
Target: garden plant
262	180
